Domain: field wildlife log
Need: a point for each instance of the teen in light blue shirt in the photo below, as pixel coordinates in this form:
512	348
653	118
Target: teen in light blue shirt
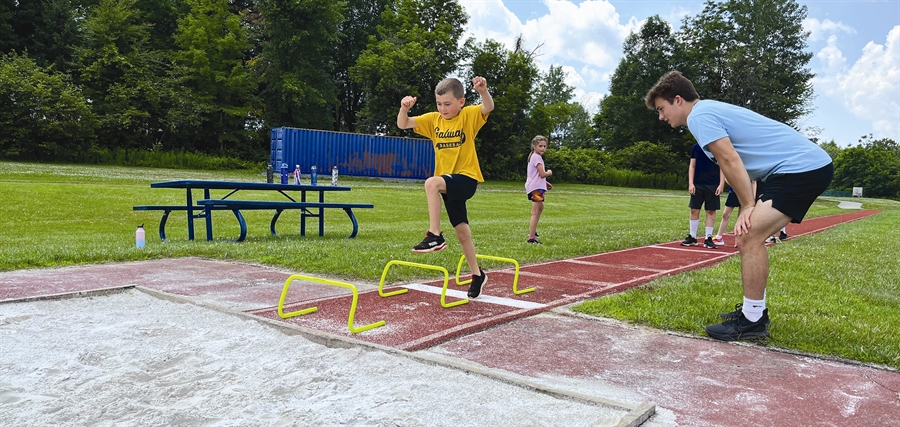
747	147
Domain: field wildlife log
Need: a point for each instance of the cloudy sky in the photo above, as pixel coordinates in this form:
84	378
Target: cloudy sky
856	47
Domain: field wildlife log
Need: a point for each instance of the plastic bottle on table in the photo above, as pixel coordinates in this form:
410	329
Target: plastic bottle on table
313	175
297	175
284	173
139	237
334	175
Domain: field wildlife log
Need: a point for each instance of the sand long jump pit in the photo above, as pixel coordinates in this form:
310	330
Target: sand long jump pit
133	357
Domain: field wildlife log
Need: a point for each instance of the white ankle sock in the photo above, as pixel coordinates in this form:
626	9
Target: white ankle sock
709	231
753	309
695	223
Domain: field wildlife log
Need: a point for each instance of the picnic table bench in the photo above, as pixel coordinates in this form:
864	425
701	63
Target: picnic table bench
204	207
237	205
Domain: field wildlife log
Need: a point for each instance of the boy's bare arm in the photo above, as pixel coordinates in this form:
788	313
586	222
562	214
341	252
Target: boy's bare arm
721	186
403	119
487	103
691	168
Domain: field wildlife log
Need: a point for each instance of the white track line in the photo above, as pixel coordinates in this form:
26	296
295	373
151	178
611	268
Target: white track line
483	298
603	264
570	279
685	249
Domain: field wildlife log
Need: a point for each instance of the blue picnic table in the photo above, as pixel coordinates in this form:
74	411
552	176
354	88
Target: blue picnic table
204	207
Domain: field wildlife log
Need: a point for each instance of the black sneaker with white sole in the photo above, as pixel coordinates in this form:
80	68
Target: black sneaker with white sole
783	236
477	285
431	243
709	244
689	241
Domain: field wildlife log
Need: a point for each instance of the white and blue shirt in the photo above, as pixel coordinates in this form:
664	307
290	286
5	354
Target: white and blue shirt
765	146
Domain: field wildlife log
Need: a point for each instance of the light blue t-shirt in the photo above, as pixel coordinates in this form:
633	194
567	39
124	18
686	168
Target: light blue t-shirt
766	146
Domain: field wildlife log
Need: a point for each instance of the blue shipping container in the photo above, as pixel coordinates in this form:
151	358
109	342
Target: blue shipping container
354	154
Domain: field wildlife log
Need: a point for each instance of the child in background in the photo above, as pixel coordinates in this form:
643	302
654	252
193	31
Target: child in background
452	129
730	203
536	184
759	188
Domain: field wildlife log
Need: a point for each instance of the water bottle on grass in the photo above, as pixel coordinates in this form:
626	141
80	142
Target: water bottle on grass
334	175
139	237
284	173
297	175
313	175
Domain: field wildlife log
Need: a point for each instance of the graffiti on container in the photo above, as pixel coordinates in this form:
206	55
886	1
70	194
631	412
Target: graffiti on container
388	164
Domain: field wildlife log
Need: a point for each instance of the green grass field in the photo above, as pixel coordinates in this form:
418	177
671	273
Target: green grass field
834	293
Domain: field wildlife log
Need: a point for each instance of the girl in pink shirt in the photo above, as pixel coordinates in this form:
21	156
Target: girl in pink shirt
536	184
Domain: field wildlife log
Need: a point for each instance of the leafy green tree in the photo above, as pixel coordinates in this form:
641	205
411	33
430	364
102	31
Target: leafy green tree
416	46
576	131
648	157
216	85
553	88
831	148
163	18
623	118
751	53
44	116
505	140
8	39
361	21
126	82
873	165
296	61
564	122
46	30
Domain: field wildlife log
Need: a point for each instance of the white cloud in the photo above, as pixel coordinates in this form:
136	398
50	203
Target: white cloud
870	88
819	29
490	19
831	56
589	33
587	37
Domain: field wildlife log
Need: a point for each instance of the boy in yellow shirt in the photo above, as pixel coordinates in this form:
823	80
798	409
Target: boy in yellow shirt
452	130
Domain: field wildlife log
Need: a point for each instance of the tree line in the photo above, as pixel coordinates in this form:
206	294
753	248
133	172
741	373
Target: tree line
213	76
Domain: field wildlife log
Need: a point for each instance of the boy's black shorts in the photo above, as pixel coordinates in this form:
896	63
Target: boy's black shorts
460	188
732	200
705	195
793	193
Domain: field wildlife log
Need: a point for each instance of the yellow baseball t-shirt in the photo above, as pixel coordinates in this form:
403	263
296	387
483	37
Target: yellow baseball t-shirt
454	141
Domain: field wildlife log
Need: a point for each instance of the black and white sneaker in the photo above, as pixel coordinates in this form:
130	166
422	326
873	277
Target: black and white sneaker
740	328
431	243
708	243
477	285
535	241
783	236
689	241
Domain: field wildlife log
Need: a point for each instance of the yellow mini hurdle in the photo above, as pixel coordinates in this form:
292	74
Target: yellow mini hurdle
350	326
495	258
417	265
